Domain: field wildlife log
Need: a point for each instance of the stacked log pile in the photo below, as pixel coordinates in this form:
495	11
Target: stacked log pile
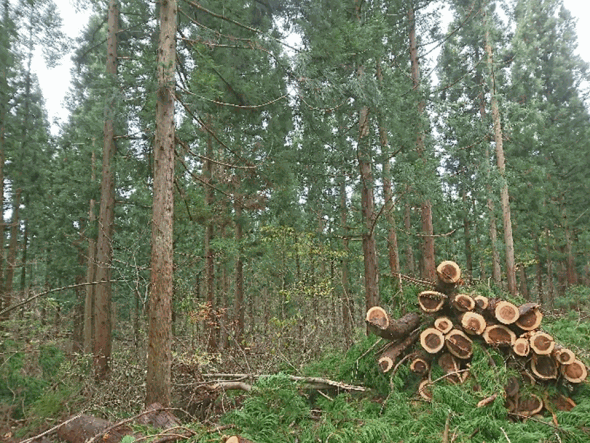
451	321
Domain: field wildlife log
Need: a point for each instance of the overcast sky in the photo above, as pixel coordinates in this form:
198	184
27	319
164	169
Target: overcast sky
55	82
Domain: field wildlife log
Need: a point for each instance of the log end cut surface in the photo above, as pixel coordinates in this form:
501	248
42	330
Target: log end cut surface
449	272
431	301
575	372
506	312
432	340
378	317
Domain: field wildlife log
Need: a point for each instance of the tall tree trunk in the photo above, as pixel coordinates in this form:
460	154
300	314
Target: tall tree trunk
78	332
159	359
209	253
410	261
571	274
524	286
90	273
12	250
550	286
539	269
428	258
392	246
506	218
106	218
367	197
239	300
347	309
467	234
493	230
23	269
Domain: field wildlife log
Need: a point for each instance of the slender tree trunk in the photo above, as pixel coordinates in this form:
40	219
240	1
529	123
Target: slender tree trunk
209	253
347	309
106	218
496	270
239	300
12	250
508	240
90	273
524	286
428	257
410	262
159	359
539	269
78	333
392	246
23	270
550	285
571	274
467	233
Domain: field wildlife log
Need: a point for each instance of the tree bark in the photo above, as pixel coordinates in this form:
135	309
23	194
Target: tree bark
89	307
239	301
11	257
347	309
501	162
209	253
428	260
106	218
158	381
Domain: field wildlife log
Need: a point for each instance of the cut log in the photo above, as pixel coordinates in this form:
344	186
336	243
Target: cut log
443	324
425	389
575	372
542	343
449	272
512	387
544	367
530	317
499	335
487	401
382	325
448	276
432	340
481	302
506	312
392	352
158	417
459	344
86	427
473	323
431	301
450	364
237	439
563	355
521	347
562	403
511	405
463	303
530	405
421	364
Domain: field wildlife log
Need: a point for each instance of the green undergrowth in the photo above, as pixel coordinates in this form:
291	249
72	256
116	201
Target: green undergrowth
278	409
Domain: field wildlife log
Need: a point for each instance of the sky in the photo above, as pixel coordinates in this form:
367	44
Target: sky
56	82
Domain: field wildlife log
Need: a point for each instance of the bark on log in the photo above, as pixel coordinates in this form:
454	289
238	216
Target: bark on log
381	324
443	324
431	301
521	347
459	344
432	340
158	417
473	323
530	317
542	343
390	355
506	312
512	387
463	303
544	367
499	335
575	372
563	355
86	426
450	364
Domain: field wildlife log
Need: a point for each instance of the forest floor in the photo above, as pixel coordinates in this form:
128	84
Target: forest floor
42	384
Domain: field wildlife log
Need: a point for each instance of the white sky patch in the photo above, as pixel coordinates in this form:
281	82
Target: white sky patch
56	82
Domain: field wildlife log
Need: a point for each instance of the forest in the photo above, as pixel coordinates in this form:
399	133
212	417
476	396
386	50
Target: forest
296	220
